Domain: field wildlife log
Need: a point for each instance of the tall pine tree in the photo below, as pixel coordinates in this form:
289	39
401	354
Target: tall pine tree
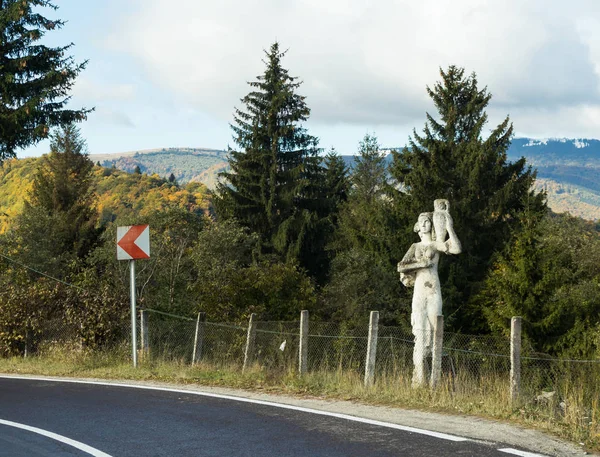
58	222
276	180
364	218
337	177
328	190
337	183
363	276
34	79
451	159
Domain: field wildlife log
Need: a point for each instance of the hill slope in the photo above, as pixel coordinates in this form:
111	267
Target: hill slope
568	169
120	195
186	164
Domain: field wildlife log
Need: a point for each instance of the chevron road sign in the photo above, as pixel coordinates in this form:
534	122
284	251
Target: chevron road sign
133	242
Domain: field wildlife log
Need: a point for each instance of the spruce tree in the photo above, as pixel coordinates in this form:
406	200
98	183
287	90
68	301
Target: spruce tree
58	222
517	284
275	184
451	159
326	190
363	276
364	218
337	183
550	276
34	79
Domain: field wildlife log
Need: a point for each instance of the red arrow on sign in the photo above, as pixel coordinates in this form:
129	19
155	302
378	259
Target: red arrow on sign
128	242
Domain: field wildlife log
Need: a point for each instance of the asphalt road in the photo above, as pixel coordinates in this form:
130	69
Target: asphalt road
122	421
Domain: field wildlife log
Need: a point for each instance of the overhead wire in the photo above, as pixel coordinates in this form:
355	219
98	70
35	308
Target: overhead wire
41	273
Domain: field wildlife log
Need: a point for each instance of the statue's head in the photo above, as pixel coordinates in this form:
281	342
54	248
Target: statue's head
425	224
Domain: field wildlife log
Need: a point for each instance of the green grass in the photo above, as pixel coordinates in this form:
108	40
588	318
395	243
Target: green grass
576	420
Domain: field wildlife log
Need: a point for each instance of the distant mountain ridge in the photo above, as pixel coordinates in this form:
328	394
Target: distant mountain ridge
568	169
582	152
186	164
138	152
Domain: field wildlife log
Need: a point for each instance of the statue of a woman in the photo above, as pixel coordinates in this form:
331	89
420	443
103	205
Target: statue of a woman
419	268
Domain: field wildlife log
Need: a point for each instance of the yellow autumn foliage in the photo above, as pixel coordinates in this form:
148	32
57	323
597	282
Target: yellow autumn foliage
118	194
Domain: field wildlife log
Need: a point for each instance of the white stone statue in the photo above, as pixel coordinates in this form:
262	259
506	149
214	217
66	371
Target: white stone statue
419	268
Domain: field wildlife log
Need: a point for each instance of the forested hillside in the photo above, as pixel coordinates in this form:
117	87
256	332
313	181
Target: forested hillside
120	195
185	164
570	198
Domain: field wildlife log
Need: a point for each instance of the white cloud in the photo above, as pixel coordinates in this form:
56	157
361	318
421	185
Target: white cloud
88	89
589	29
367	62
104	115
580	121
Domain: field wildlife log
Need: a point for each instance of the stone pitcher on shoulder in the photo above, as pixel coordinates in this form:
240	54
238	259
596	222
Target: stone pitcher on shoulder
419	269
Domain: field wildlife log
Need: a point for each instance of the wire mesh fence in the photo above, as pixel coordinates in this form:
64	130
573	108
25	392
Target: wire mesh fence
56	334
468	362
276	344
336	347
475	370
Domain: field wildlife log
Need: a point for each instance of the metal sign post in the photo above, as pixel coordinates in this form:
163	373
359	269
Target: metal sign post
133	313
133	242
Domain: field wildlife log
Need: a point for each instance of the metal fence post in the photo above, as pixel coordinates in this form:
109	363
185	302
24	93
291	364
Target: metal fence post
303	350
371	348
145	342
250	337
515	358
436	354
198	338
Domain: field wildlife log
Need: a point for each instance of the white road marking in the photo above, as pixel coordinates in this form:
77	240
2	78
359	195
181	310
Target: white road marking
420	431
520	453
63	439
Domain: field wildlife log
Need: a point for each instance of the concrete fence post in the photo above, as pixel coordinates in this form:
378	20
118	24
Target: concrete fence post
250	337
436	354
515	358
144	337
81	337
198	338
27	338
371	348
303	349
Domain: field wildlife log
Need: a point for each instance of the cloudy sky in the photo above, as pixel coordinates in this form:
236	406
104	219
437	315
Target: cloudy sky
164	73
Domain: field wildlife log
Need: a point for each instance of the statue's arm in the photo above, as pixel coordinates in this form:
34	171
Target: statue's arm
409	262
452	245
